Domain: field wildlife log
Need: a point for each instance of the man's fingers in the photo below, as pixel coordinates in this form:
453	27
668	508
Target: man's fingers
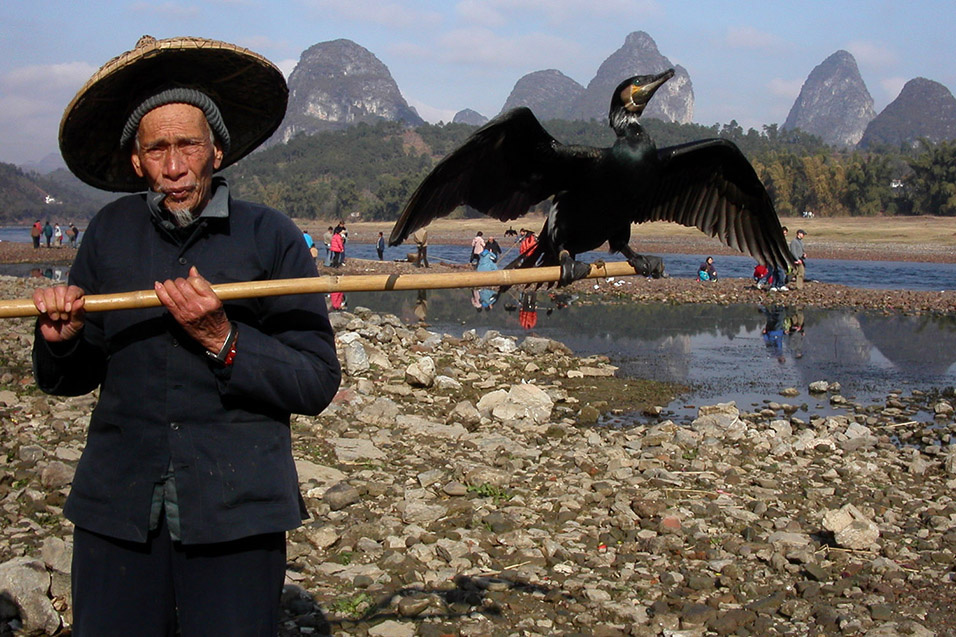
57	300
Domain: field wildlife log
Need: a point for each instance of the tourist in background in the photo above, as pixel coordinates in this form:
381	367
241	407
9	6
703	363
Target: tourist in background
327	240
477	247
706	270
799	260
492	245
337	246
421	242
35	231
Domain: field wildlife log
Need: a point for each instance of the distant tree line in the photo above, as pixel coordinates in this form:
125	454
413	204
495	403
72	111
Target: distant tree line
373	169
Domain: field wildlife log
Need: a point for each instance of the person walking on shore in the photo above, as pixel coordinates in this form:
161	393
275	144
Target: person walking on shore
477	247
48	232
186	485
327	240
421	242
337	247
35	231
492	245
799	260
380	246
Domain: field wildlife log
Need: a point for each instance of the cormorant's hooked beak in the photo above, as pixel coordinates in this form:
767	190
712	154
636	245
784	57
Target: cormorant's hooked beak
635	96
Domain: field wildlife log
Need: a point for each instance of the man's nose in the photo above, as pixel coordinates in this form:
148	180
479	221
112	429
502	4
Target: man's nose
174	164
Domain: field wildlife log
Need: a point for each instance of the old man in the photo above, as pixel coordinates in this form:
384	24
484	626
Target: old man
187	485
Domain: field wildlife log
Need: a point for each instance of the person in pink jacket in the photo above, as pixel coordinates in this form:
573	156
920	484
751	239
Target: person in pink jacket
337	246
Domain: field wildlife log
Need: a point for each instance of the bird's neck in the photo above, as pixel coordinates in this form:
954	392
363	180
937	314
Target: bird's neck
633	135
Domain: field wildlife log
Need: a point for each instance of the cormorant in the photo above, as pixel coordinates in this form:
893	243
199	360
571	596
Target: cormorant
512	163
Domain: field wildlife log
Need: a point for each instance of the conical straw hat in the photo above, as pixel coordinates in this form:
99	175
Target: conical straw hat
249	90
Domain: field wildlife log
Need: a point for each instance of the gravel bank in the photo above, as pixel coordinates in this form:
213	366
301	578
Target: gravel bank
459	486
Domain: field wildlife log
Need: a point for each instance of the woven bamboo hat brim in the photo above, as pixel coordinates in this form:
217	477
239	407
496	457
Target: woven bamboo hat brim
249	90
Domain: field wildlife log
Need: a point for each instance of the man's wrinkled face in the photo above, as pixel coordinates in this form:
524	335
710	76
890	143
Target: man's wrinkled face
176	154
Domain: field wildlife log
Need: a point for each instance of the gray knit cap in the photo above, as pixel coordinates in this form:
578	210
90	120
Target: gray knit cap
178	95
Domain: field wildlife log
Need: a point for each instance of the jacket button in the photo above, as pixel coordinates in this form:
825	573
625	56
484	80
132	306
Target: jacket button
174	426
182	261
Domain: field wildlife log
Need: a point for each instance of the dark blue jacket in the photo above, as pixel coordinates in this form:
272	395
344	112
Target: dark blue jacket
226	430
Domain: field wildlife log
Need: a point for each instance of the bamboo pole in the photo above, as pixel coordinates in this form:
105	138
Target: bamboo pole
333	283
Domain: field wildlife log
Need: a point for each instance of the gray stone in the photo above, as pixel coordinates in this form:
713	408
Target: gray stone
421	373
356	449
341	495
418	426
26	583
392	628
57	554
418	512
356	358
488	402
56	474
535	345
382	411
525	402
850	528
321	536
455	489
30	453
311	472
465	413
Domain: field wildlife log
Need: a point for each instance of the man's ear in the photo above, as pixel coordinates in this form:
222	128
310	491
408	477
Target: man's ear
137	166
217	156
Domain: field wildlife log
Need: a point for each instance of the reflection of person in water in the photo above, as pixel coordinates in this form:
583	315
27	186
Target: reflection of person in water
421	306
795	331
338	301
560	300
528	309
773	331
487	262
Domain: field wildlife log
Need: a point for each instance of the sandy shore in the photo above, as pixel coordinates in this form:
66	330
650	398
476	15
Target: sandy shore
925	239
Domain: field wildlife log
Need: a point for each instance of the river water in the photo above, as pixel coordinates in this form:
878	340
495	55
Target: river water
890	275
719	351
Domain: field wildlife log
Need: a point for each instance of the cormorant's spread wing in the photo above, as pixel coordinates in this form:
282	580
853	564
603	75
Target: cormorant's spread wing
709	184
504	168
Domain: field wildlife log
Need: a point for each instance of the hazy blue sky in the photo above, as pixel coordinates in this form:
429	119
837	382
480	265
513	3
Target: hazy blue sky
747	60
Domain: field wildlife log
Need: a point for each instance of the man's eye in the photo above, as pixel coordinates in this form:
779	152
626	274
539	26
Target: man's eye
191	148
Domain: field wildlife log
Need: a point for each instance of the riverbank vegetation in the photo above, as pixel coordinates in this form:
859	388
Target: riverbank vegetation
373	169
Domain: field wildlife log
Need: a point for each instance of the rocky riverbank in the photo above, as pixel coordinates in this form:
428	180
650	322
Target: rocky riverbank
463	485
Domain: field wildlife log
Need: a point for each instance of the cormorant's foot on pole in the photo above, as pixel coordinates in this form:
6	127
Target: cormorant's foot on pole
571	270
648	266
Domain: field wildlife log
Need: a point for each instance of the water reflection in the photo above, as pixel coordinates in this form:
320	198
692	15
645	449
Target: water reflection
721	350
